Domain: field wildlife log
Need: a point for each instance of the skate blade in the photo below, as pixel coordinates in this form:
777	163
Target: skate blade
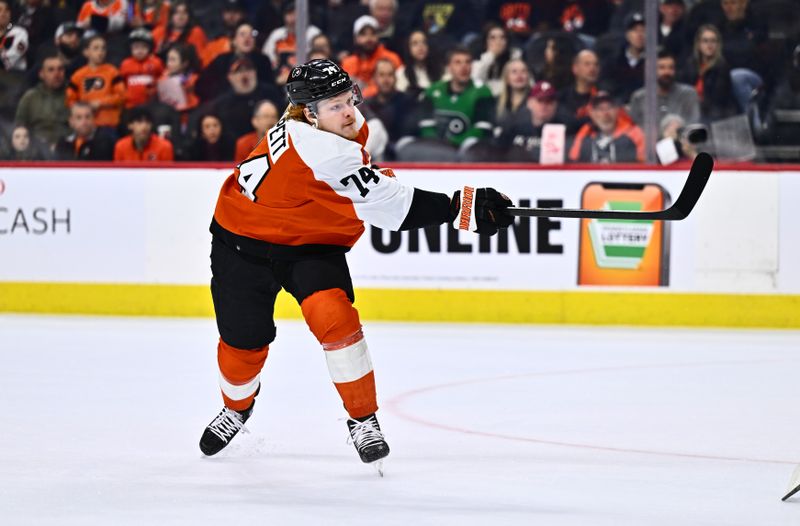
378	464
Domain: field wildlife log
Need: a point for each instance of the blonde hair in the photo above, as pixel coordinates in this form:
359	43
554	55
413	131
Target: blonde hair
294	112
505	98
697	36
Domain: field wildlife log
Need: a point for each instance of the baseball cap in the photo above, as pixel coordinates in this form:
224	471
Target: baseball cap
542	90
233	5
633	19
241	64
67	27
602	96
365	21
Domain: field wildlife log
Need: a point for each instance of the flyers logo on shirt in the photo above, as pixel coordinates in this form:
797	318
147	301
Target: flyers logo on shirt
94	84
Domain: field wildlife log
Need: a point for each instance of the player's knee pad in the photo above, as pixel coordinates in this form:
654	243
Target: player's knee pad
330	315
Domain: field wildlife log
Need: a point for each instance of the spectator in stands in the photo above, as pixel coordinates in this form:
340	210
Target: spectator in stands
459	110
38	20
236	106
176	85
672	27
86	142
707	70
150	14
524	129
743	38
574	99
264	117
212	142
14	38
421	67
384	11
21	147
516	88
519	18
488	69
212	78
321	46
366	53
142	144
783	111
555	66
104	16
233	13
624	72
141	70
674	127
67	43
281	45
180	28
673	97
395	109
607	138
42	109
99	84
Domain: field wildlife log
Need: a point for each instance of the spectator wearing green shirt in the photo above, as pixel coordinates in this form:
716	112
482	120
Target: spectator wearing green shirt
457	110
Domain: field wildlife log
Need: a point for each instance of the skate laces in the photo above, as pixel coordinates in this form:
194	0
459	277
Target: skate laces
227	423
365	433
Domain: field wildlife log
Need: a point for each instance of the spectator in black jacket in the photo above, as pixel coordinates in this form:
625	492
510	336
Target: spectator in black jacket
395	109
212	79
744	36
236	106
707	70
672	27
624	72
85	142
212	141
574	99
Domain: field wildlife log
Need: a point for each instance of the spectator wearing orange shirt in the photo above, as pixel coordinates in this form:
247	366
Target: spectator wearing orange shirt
264	118
142	144
103	16
232	15
181	28
150	13
368	51
141	69
99	84
608	137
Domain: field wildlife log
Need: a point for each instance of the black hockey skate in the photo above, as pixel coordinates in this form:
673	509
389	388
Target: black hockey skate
368	439
223	428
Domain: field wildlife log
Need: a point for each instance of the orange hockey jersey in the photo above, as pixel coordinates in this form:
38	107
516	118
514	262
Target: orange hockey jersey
140	79
101	84
304	186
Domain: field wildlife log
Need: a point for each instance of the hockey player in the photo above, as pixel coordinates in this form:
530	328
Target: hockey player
285	218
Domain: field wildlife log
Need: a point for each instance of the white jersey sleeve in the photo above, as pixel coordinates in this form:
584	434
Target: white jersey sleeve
377	199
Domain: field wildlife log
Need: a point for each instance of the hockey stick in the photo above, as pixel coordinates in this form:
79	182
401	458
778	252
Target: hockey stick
794	484
695	183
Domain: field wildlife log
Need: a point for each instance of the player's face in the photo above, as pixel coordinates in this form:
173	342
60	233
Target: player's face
338	115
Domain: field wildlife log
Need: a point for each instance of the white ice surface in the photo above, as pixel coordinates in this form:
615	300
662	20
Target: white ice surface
487	425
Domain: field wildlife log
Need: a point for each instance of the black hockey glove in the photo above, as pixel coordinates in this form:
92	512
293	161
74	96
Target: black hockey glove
481	210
